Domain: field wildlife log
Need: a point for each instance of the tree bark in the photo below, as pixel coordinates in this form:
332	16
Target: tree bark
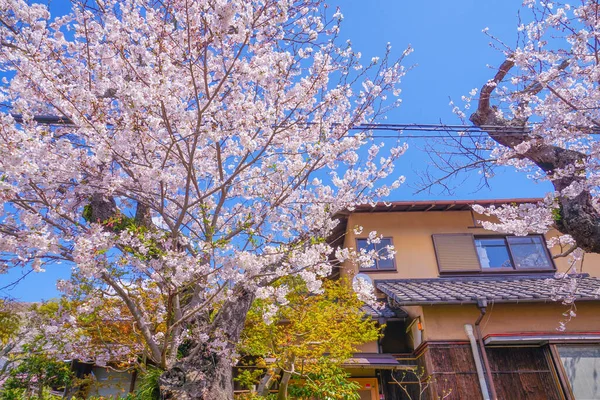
282	394
103	207
205	374
40	389
283	386
267	381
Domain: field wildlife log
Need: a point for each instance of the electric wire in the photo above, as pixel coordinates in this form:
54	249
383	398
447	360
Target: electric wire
436	131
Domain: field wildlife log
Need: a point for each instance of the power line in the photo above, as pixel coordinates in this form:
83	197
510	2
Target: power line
401	136
436	127
468	131
45	120
496	129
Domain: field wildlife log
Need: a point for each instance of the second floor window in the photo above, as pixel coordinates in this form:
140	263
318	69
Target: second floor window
512	252
465	253
383	263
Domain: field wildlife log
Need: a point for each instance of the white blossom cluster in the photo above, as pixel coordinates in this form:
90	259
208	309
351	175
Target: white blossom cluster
552	88
229	120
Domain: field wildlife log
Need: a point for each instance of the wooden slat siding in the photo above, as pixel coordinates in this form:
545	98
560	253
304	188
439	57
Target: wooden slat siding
523	373
391	390
520	373
455	252
453	373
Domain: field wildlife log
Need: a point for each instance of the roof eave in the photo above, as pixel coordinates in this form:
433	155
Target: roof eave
401	303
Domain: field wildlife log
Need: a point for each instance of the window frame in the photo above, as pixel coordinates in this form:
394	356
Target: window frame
511	256
376	268
561	372
480	271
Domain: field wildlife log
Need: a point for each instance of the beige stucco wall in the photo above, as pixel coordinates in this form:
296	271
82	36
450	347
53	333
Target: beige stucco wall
369	347
411	235
447	322
415	258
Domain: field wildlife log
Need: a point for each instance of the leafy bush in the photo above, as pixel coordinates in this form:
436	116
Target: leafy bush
35	375
149	388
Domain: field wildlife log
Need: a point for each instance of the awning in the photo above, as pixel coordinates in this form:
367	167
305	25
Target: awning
368	360
541	339
373	360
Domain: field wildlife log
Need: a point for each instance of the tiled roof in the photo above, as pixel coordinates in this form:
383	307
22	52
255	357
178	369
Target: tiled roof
493	289
385	312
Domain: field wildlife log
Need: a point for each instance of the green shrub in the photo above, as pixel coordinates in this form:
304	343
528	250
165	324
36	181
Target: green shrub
148	387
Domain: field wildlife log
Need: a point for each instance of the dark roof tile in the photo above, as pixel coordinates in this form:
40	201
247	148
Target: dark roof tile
384	312
499	289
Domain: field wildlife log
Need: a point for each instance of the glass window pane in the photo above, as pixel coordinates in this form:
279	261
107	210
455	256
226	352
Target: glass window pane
582	365
381	250
529	252
362	244
384	263
493	253
384	243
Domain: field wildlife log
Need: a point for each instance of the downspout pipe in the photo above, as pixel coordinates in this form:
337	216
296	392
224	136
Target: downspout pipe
482	305
478	366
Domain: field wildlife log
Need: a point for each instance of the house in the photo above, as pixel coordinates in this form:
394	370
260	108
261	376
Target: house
470	313
101	381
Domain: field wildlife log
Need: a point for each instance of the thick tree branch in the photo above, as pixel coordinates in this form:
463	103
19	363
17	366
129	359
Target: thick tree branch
579	217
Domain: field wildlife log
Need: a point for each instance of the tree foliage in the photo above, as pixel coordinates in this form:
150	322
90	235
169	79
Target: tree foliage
35	374
11	336
199	149
9	322
541	113
307	338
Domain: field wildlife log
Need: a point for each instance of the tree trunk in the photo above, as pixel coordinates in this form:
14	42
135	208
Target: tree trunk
205	379
40	392
283	386
205	374
282	394
267	381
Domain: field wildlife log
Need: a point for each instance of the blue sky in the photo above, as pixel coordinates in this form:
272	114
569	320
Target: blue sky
451	57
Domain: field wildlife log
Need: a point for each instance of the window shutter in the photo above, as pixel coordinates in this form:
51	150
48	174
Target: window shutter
455	252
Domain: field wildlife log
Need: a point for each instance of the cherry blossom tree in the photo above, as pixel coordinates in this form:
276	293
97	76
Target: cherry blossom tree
184	152
541	113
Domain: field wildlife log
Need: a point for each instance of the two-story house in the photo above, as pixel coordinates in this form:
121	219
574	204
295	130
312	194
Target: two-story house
471	313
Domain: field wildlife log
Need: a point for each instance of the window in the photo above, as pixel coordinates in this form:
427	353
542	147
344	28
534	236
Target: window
465	253
512	252
493	253
383	263
529	252
581	365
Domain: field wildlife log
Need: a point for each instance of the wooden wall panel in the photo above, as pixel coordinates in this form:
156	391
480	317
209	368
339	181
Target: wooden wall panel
523	373
391	390
526	386
520	373
455	358
452	370
517	359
